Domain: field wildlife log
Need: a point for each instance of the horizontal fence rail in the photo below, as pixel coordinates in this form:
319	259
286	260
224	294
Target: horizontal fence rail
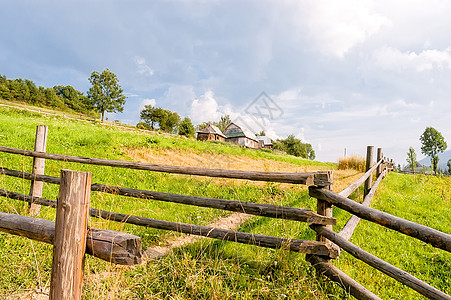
295	245
309	178
426	234
108	245
265	210
319	253
377	263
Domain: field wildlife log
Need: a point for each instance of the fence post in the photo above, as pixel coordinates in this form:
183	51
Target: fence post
369	164
71	223
324	208
38	168
379	157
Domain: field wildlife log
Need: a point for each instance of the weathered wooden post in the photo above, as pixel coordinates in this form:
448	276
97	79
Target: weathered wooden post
38	168
325	208
369	164
70	235
379	157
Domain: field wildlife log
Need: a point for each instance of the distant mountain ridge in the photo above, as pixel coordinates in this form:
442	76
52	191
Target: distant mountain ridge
443	160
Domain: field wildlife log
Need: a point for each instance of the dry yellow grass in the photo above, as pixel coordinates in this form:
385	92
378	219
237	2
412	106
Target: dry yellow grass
355	162
184	157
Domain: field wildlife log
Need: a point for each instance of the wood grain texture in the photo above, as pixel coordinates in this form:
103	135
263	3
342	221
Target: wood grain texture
71	228
369	164
295	245
258	209
309	178
112	246
377	263
426	234
38	167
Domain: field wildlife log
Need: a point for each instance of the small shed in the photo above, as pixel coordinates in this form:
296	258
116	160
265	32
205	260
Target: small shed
240	136
211	133
264	142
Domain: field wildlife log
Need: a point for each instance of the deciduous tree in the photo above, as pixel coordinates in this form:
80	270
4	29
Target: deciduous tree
106	94
433	143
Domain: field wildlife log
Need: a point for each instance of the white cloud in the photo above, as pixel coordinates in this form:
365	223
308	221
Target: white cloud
145	102
205	108
393	59
143	68
338	26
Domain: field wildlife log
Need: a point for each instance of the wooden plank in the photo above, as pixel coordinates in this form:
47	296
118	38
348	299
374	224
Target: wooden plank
377	263
353	221
308	178
71	227
325	267
38	167
112	246
296	245
258	209
353	186
369	164
426	234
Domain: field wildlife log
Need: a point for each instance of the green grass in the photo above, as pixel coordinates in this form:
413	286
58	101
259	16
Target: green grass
32	260
210	269
422	199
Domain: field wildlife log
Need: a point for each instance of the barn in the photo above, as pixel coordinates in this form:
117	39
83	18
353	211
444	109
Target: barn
210	133
240	136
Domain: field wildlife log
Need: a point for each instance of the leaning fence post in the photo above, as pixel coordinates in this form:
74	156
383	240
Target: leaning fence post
369	164
71	224
38	168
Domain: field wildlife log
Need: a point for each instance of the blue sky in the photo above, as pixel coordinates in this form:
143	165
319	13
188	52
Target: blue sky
337	74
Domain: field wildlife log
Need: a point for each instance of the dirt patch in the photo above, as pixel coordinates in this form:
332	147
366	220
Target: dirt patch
230	223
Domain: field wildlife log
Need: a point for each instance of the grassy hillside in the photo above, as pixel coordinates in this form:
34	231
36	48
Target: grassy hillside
209	269
418	198
247	269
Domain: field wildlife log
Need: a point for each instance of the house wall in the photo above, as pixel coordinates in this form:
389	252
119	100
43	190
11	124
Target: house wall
209	137
205	136
243	142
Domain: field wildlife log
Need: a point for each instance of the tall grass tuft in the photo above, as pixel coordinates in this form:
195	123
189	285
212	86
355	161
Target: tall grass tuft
354	162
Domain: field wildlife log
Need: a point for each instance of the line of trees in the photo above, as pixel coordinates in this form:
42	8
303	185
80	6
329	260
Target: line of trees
59	97
105	94
157	118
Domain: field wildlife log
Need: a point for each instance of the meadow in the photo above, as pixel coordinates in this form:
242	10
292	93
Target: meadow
210	269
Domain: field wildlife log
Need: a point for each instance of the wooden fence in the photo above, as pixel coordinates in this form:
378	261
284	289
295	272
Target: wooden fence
122	248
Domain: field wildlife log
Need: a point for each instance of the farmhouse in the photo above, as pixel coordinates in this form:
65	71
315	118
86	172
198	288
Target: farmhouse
240	136
264	142
211	133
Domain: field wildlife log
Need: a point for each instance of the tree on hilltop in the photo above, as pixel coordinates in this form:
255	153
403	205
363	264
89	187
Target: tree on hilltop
106	94
433	143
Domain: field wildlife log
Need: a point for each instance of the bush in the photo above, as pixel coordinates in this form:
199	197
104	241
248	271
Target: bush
142	125
354	162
